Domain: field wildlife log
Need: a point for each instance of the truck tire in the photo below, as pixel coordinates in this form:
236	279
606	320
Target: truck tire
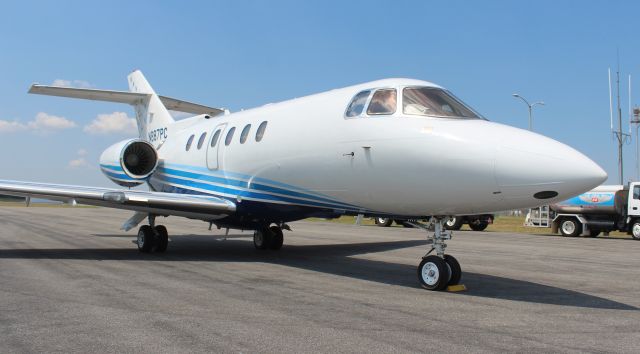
635	230
570	227
478	225
455	223
594	233
383	222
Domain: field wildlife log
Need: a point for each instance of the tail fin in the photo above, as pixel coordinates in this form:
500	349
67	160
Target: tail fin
152	116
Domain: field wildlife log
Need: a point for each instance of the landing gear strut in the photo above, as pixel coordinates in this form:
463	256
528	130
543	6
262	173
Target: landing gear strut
438	271
268	238
152	238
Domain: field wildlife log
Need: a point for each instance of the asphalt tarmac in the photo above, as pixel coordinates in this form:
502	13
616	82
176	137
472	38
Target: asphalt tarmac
71	281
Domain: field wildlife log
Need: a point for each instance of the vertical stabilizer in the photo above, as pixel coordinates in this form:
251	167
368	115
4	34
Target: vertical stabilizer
152	116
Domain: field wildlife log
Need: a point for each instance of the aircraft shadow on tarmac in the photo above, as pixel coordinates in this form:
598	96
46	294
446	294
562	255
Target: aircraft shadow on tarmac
337	259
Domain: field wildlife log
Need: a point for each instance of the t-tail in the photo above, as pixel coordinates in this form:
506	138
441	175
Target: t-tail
152	110
153	118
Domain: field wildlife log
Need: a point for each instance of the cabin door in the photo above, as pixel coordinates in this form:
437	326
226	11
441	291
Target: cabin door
213	148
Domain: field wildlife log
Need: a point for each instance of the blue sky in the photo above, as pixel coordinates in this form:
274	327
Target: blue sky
241	54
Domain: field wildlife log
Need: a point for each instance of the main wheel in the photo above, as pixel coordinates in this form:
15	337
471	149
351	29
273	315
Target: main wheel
635	230
146	239
454	269
570	227
478	225
455	223
262	238
277	238
383	222
162	238
433	273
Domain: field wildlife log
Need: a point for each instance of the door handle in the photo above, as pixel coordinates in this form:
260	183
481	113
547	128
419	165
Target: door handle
635	208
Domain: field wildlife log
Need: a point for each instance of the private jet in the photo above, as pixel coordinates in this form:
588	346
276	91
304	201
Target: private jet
395	148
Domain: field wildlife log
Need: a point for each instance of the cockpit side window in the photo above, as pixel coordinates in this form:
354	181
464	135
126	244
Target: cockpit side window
434	102
384	101
357	104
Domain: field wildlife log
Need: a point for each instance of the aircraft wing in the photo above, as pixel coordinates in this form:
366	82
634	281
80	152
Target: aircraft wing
131	98
191	206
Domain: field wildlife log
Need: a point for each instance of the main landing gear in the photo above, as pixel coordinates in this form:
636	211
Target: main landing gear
438	271
152	238
269	237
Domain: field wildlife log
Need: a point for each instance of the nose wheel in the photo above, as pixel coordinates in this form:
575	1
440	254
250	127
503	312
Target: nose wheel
437	272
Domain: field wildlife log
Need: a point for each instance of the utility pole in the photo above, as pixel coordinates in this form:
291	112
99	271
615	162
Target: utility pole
620	136
636	120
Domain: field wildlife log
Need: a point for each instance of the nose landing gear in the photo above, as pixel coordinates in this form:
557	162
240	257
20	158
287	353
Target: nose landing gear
437	272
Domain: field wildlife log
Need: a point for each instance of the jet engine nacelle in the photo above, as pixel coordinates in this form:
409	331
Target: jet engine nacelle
129	163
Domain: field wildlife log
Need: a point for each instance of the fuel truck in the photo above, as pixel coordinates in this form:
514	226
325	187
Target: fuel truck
603	209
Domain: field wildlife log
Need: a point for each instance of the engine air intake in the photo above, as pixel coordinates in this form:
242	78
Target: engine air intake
139	159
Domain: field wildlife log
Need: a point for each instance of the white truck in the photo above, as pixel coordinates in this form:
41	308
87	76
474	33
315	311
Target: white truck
603	209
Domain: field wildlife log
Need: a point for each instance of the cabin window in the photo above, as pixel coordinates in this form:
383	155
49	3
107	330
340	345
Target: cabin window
383	102
214	140
201	140
245	133
434	102
189	142
636	192
260	131
229	137
357	104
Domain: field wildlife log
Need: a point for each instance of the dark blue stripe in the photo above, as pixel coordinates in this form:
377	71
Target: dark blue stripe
244	184
118	175
247	194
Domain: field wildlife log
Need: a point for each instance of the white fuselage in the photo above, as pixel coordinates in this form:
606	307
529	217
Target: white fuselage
406	165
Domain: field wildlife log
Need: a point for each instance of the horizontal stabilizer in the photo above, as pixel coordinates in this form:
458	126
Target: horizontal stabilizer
131	98
190	206
173	104
89	94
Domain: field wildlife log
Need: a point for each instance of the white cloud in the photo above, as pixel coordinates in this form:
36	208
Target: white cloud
11	126
71	83
47	122
78	163
43	123
114	123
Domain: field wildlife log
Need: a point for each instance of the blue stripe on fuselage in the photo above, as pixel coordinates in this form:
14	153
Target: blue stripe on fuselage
246	194
248	185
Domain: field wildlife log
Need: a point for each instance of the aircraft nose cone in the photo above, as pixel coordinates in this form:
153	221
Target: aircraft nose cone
534	169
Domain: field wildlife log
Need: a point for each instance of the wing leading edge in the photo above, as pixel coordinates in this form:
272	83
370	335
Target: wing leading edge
195	207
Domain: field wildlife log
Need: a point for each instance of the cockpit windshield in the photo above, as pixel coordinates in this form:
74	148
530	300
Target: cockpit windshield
434	102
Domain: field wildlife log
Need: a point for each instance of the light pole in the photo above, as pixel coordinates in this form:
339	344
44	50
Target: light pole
530	108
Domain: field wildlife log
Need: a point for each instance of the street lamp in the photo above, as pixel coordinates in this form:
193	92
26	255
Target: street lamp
530	108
